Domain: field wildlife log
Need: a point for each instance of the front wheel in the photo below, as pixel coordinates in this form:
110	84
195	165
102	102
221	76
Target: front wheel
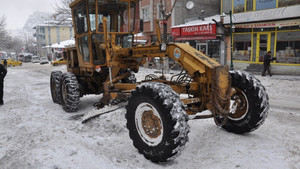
157	121
69	92
55	79
249	104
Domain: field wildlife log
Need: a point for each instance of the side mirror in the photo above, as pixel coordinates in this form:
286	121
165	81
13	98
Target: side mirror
141	25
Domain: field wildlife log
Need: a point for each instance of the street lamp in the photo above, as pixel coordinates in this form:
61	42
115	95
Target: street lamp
231	40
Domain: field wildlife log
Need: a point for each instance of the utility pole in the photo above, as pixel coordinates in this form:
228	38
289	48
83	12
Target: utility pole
166	15
231	41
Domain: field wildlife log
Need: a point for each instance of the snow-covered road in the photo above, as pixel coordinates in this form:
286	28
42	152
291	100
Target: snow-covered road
35	133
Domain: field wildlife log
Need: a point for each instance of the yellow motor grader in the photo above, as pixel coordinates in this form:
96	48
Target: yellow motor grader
105	59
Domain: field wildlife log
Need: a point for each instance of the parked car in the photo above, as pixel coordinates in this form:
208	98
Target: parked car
35	59
13	62
27	58
44	60
60	61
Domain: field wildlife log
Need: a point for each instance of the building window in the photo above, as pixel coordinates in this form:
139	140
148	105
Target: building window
265	4
146	13
283	3
58	34
242	47
159	14
288	47
249	5
238	6
71	32
42	30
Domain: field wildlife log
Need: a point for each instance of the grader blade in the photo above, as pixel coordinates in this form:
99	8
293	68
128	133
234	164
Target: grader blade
98	112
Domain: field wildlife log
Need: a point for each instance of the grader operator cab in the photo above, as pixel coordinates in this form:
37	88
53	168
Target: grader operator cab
158	109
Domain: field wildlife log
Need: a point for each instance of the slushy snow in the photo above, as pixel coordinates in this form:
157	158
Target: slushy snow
35	133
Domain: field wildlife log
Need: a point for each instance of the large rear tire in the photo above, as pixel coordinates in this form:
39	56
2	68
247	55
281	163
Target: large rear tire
249	104
157	121
69	91
55	86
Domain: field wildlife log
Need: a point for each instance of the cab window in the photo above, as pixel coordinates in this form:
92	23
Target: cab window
85	48
81	19
92	15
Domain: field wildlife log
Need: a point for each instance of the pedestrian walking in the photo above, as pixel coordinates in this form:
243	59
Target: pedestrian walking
267	60
5	64
3	72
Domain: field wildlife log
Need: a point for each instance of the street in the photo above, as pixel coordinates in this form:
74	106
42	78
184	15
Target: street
35	133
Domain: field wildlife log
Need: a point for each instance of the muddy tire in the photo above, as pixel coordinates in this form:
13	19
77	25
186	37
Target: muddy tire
55	79
69	91
157	121
253	106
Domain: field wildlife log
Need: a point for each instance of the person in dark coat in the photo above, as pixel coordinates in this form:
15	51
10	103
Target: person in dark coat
5	63
3	72
267	60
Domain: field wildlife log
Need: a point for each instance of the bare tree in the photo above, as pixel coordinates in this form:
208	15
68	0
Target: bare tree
3	32
14	44
62	10
166	15
7	42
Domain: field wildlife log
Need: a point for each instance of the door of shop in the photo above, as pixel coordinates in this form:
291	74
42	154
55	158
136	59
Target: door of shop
263	45
202	47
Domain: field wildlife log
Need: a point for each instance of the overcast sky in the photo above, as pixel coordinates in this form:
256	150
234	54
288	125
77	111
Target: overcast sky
18	11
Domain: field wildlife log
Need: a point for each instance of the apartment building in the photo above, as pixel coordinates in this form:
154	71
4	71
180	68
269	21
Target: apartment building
52	32
264	25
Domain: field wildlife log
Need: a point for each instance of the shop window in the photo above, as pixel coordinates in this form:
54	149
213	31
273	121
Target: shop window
265	4
214	49
263	29
242	47
288	28
283	3
254	47
243	30
238	6
288	47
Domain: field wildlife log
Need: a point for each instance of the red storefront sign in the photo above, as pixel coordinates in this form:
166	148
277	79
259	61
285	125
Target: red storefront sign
209	29
186	38
175	31
197	32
